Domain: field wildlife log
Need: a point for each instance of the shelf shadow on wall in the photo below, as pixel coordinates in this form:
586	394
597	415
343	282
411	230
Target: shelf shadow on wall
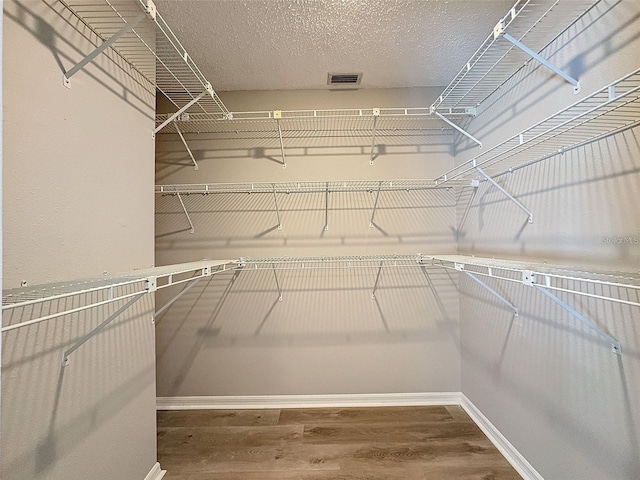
137	92
318	309
42	395
533	83
545	369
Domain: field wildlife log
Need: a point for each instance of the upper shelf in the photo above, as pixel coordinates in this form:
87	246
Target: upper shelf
532	22
334	186
610	110
355	122
169	67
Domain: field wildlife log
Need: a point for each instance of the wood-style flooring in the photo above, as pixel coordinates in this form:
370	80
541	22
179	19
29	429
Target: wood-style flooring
398	443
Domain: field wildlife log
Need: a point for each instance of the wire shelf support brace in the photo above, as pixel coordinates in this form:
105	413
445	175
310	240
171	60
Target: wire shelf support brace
150	12
501	55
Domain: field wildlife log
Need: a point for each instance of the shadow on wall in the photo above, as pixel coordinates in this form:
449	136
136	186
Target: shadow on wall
234	224
581	202
49	409
208	149
139	94
562	374
285	308
527	94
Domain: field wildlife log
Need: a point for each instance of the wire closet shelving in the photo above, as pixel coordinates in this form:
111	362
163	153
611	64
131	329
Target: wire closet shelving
138	34
608	111
618	287
529	22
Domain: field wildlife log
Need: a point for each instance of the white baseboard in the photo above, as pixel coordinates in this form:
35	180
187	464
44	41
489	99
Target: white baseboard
308	401
257	402
156	473
513	456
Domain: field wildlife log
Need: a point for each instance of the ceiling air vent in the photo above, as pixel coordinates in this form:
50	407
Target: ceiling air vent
344	79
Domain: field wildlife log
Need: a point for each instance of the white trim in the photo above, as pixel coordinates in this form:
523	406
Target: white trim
257	402
308	401
156	473
513	456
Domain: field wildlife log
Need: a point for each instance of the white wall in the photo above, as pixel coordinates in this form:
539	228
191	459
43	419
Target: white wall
233	337
552	386
77	201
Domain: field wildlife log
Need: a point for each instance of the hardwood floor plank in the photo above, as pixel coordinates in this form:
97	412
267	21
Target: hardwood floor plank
389	432
408	443
189	440
363	415
217	418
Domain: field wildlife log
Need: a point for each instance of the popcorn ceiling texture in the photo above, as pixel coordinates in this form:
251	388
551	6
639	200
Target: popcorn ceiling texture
285	44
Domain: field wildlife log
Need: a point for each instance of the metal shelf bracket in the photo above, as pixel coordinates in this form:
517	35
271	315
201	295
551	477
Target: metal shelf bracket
277	114
207	91
375	206
498	31
376	114
192	230
460	268
277	283
195	164
615	344
98	329
456	127
275	200
326	207
149	11
186	288
375	286
507	194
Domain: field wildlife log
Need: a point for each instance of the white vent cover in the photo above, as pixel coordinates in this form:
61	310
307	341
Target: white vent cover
344	79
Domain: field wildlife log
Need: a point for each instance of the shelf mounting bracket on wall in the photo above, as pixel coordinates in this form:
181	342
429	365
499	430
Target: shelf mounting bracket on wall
376	114
275	200
99	328
186	288
149	11
277	114
507	194
277	282
460	268
326	207
456	127
175	123
375	206
498	31
208	91
186	213
529	278
375	286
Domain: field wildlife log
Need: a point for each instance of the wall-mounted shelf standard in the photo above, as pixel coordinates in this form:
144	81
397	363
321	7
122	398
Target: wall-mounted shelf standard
523	32
133	28
610	110
369	123
286	188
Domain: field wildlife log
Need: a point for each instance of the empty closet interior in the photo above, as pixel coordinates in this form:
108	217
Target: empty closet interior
468	236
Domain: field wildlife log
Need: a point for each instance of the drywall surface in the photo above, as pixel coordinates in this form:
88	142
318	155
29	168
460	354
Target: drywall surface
329	334
551	385
78	176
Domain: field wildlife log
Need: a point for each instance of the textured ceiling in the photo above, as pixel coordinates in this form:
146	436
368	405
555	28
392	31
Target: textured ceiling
293	44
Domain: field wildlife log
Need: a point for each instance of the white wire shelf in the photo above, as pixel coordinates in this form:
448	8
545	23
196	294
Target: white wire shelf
619	287
170	68
297	187
610	110
535	23
396	121
108	289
